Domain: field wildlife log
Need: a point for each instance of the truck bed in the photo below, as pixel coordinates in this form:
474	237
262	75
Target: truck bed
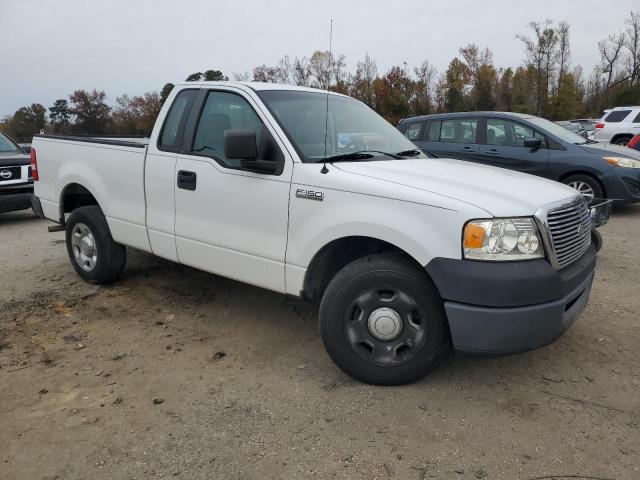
111	168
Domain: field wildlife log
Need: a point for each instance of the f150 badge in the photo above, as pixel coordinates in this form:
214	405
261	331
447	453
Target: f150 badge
310	194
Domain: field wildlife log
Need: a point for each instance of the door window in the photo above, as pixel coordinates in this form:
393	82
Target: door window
509	134
172	130
462	130
224	111
414	131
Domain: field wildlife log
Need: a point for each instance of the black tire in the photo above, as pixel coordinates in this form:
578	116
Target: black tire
622	141
349	304
110	257
576	181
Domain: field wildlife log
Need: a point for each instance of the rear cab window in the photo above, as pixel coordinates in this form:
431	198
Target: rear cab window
171	136
617	116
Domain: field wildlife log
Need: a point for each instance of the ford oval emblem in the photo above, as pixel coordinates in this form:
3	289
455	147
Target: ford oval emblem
5	174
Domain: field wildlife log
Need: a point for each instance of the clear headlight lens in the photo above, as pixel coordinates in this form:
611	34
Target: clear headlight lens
622	162
502	239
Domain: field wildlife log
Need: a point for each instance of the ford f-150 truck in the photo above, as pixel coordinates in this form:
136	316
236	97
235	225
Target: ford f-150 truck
312	194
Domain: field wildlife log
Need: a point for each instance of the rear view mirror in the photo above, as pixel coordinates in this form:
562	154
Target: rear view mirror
532	142
240	144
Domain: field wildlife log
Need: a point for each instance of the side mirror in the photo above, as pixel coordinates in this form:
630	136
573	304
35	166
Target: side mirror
532	142
241	144
26	148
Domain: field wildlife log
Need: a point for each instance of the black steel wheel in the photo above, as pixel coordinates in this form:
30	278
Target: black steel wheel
382	320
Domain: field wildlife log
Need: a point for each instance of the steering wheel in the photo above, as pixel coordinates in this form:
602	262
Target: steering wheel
356	145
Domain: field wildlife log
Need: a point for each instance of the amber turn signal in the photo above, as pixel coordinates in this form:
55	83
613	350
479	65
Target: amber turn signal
473	236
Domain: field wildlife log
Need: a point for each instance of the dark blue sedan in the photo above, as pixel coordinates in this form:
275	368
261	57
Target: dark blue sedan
532	145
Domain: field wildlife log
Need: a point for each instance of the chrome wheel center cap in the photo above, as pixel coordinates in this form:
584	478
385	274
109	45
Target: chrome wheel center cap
385	324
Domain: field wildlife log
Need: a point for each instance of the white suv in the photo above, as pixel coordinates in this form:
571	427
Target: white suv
618	125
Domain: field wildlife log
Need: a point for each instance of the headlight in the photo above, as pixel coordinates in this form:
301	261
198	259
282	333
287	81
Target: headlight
501	239
622	162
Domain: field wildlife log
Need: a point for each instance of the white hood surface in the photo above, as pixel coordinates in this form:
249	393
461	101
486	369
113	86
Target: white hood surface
498	191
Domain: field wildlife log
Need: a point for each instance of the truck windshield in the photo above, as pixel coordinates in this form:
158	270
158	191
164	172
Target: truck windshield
346	127
7	146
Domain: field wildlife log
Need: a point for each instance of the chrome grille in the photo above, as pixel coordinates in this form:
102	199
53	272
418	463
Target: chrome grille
570	231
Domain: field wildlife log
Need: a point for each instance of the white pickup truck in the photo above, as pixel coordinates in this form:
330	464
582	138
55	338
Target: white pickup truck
312	194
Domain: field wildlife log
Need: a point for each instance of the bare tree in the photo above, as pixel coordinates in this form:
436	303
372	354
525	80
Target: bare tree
564	51
426	74
540	52
632	43
610	53
241	76
475	58
367	69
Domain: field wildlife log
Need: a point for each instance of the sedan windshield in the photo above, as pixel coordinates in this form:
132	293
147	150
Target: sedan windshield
556	130
339	127
7	146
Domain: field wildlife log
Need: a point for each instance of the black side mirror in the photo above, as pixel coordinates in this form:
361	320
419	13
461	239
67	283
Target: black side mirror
241	144
532	142
26	148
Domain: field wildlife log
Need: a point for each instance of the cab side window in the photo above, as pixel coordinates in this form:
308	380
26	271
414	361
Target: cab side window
224	111
172	130
509	134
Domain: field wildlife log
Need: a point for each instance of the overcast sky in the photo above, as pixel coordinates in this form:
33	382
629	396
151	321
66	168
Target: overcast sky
51	47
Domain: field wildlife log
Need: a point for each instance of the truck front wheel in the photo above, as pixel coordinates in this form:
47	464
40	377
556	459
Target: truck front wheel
382	321
93	253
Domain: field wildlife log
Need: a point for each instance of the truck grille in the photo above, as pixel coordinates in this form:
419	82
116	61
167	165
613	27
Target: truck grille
9	174
570	231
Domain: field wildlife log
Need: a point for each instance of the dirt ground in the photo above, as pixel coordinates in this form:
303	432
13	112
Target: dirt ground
172	372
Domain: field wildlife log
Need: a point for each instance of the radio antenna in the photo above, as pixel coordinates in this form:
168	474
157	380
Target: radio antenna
326	118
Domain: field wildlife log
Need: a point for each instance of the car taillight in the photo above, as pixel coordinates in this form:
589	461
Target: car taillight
599	125
34	166
634	142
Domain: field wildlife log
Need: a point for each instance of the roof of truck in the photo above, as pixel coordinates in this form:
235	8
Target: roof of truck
258	86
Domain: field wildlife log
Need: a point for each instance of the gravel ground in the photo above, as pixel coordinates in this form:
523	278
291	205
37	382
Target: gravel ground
175	372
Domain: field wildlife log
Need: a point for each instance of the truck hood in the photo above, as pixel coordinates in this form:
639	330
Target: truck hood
498	191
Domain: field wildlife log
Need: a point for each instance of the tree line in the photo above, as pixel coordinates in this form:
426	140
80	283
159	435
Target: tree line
546	84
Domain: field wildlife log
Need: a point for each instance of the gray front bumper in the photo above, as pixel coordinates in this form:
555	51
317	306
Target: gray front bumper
495	330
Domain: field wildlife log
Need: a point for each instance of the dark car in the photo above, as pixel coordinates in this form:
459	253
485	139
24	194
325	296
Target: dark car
532	145
16	182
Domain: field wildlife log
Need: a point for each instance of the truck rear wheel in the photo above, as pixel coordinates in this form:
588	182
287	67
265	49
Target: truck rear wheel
382	321
93	253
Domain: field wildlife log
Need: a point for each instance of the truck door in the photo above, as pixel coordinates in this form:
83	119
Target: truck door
231	221
159	177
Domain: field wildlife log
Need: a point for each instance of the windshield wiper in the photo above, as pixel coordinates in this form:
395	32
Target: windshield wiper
409	153
354	156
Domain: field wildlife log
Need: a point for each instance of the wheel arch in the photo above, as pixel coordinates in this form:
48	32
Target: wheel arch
618	136
339	252
586	173
75	195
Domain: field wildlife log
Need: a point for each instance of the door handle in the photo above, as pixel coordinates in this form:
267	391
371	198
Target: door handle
493	151
187	180
467	150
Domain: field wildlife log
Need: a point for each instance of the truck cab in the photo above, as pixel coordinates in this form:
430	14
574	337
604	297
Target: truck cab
312	194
